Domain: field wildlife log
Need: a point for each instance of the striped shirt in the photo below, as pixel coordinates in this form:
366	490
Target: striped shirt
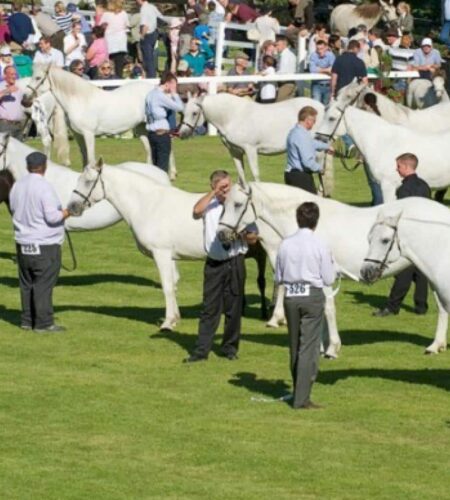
36	212
64	22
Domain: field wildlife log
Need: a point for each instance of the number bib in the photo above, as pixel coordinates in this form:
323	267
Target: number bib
297	289
30	249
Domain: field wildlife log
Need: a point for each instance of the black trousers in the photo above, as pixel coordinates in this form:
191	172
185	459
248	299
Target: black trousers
223	291
118	58
302	180
161	146
38	275
401	287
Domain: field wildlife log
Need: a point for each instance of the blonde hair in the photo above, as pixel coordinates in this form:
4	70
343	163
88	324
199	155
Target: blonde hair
405	6
59	7
115	6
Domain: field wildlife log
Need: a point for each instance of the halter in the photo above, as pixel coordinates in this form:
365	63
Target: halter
193	127
85	197
382	262
330	137
35	89
248	202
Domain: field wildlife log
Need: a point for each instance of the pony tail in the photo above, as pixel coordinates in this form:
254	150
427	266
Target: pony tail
60	136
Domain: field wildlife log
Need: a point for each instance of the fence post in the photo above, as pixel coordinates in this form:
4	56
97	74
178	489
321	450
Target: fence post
212	86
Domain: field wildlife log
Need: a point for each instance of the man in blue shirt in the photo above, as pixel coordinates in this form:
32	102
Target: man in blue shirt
39	232
301	151
158	104
426	59
20	25
321	61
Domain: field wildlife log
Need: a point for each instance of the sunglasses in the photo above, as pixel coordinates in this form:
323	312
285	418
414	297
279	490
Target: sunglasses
105	67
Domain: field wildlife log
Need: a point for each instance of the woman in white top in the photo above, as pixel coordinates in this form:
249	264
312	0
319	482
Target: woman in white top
116	21
75	44
268	91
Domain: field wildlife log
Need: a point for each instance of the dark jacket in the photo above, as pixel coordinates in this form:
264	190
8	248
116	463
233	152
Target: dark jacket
413	186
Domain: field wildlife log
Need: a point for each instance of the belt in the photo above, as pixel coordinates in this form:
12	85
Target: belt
160	131
12	122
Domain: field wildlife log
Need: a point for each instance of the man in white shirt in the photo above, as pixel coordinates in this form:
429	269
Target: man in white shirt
48	54
224	275
304	266
75	44
287	64
149	35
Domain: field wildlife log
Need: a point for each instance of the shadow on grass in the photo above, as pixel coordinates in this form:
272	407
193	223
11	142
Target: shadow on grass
438	377
11	316
348	337
91	279
8	256
251	382
376	301
185	340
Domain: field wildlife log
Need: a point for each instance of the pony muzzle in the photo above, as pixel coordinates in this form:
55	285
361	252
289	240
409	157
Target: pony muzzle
226	235
370	273
75	208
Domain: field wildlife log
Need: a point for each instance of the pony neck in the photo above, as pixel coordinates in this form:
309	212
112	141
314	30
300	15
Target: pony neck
217	107
65	85
390	111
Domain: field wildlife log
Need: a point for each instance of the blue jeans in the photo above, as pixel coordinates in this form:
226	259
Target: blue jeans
321	92
375	188
445	33
148	53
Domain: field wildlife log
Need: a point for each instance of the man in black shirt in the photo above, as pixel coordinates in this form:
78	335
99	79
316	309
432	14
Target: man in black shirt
412	185
347	67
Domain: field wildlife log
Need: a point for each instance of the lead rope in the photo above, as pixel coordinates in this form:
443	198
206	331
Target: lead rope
72	253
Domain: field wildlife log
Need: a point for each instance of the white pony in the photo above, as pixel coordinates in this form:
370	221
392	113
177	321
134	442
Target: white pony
435	119
347	15
344	227
246	127
423	93
406	233
160	218
381	143
13	154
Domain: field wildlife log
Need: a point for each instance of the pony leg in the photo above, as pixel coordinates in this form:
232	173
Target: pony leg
278	318
168	275
172	167
89	140
252	157
82	145
61	136
328	176
440	337
334	341
239	164
148	153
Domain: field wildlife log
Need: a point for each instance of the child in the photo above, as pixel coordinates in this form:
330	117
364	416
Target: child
268	91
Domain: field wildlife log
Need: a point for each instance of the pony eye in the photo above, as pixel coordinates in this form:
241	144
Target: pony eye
238	205
385	241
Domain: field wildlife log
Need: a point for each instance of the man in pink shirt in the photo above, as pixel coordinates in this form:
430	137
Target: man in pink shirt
12	115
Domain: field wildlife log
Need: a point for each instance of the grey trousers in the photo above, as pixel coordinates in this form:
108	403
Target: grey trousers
305	317
38	275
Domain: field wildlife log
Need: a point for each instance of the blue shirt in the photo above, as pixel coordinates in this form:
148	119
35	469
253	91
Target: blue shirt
36	212
316	62
301	150
422	59
20	26
157	105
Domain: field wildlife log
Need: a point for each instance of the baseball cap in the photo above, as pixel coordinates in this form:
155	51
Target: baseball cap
5	51
210	65
36	159
183	65
427	41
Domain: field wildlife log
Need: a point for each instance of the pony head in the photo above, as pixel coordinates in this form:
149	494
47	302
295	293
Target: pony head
40	82
332	123
389	11
383	246
237	214
89	189
439	86
192	115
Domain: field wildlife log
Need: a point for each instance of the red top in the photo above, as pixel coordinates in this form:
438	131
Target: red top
245	14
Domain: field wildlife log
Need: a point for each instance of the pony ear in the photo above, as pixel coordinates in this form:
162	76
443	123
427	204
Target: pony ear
390	219
99	164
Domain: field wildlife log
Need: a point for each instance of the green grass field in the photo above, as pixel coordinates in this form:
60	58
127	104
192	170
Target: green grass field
108	410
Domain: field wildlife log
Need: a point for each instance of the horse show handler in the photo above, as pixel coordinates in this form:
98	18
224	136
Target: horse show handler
12	116
301	151
224	274
158	104
39	233
412	185
304	266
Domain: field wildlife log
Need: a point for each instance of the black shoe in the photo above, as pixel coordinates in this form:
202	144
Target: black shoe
310	406
381	313
231	356
26	327
194	358
50	329
420	312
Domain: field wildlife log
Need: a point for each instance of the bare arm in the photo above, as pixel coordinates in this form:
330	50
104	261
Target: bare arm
202	205
333	84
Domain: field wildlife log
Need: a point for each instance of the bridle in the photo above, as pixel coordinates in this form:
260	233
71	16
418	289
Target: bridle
44	78
193	127
330	137
3	153
85	197
248	202
382	262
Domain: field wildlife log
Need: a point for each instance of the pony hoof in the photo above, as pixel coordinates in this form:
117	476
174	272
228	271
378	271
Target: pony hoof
272	324
167	327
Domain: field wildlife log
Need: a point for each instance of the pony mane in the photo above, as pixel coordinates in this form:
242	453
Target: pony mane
368	10
70	84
